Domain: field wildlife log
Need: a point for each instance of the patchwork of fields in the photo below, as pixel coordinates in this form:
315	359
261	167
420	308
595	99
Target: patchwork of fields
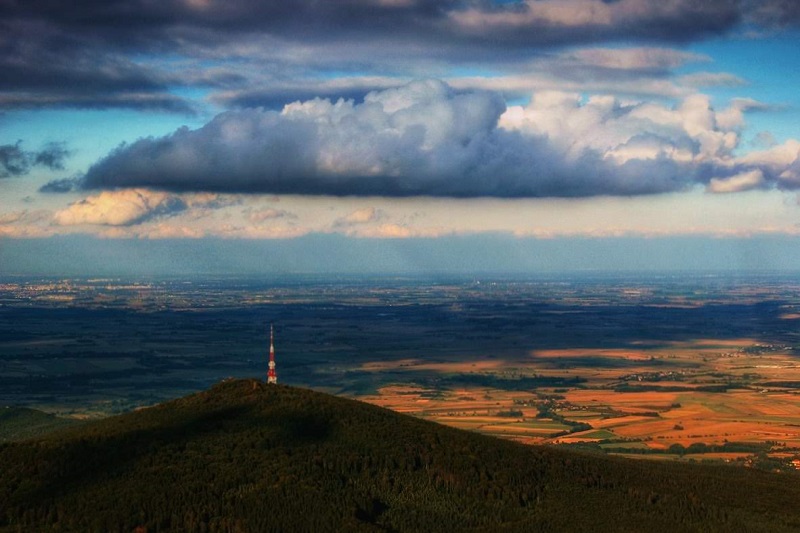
702	366
715	393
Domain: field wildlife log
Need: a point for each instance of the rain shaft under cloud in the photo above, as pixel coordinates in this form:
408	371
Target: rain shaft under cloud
426	139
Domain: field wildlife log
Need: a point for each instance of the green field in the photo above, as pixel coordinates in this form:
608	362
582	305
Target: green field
600	434
626	445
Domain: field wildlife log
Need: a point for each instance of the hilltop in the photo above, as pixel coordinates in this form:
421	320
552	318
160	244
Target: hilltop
244	456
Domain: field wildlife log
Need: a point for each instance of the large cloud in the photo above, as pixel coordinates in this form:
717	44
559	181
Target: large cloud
109	53
427	139
123	23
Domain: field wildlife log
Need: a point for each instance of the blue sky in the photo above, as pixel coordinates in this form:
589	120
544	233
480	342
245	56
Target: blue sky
762	64
381	121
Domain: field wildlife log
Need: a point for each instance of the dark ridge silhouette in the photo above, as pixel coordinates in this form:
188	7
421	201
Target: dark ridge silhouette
244	456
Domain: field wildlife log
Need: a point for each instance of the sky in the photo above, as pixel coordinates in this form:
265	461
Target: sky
398	135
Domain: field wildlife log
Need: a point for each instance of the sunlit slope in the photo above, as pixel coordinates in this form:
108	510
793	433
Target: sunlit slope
244	456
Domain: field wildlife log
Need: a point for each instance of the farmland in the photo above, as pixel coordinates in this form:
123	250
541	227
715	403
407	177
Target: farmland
653	366
714	393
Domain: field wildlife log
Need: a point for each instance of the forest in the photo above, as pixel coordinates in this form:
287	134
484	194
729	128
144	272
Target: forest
244	456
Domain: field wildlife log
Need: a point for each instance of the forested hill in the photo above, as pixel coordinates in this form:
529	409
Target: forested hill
19	423
244	456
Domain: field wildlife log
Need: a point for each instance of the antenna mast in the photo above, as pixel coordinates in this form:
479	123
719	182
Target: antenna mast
272	377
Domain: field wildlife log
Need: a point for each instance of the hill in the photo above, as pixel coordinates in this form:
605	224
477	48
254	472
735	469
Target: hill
19	423
244	456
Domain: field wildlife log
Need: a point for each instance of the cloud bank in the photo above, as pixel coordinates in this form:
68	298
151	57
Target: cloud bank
426	139
122	54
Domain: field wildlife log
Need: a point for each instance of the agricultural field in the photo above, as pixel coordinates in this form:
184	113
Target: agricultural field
716	393
653	366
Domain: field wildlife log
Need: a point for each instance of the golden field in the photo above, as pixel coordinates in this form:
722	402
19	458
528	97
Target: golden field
703	391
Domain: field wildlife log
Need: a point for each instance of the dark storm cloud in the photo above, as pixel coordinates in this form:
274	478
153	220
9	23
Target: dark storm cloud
44	67
153	24
110	53
76	69
139	23
14	161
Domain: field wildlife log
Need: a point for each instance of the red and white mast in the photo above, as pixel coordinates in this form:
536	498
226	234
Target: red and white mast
272	377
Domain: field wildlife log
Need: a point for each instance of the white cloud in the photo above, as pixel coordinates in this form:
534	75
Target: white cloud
119	208
26	223
165	230
12	217
745	181
426	139
258	216
364	215
556	78
392	230
642	58
210	200
780	163
712	79
259	232
623	132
